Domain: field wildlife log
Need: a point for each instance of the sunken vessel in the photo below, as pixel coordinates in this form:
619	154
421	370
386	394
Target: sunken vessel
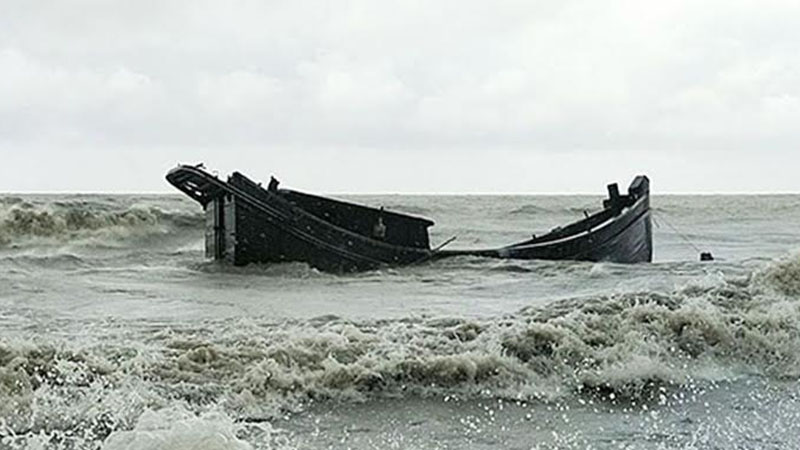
247	223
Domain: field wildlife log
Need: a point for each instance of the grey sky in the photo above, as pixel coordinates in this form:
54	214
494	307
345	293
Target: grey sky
402	96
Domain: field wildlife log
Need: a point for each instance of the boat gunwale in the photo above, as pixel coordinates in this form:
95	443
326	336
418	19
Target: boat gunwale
528	245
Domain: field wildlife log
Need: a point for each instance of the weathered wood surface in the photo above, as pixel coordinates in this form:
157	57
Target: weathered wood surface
248	224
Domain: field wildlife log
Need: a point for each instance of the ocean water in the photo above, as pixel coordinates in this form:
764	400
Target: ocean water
116	333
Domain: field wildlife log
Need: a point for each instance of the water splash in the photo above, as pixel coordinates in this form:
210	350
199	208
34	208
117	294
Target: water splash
45	223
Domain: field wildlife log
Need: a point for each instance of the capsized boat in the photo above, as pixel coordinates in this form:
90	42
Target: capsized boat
247	223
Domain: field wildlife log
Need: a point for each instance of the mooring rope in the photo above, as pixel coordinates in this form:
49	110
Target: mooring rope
675	229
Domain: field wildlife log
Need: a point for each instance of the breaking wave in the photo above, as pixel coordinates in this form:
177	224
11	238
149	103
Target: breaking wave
783	277
177	428
634	346
24	223
293	270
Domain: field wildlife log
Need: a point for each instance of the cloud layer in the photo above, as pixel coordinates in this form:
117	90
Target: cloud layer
472	87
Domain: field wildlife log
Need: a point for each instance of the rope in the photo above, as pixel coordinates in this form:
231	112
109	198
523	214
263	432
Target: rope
433	252
664	219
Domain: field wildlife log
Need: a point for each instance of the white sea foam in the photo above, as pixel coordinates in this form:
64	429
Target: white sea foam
92	223
783	276
175	428
622	346
603	334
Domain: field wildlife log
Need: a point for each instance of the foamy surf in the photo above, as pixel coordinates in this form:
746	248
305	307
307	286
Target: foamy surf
176	428
118	334
108	223
635	347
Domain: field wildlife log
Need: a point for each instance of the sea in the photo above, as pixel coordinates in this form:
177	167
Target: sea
117	333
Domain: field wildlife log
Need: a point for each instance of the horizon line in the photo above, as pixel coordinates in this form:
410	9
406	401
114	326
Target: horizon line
420	193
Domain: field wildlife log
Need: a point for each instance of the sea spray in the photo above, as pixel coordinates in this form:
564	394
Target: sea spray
783	276
118	334
50	223
175	428
629	345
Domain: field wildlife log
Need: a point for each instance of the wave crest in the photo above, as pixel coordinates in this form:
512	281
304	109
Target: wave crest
23	222
627	346
784	276
635	346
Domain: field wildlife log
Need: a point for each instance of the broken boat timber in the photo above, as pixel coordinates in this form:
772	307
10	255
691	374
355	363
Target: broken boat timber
246	223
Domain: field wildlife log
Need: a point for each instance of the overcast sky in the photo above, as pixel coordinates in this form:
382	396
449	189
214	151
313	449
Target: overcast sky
402	96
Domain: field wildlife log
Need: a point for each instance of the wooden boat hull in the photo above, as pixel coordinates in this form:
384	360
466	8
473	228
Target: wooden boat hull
626	237
246	223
